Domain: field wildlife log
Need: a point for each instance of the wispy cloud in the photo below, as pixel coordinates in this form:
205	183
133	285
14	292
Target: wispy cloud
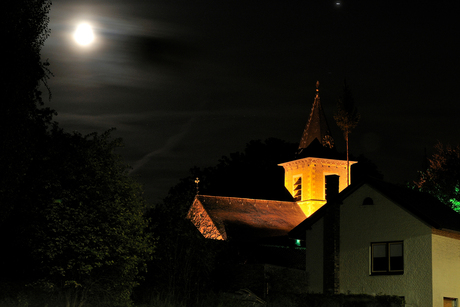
172	141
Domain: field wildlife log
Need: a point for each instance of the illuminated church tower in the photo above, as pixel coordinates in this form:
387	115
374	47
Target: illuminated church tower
305	178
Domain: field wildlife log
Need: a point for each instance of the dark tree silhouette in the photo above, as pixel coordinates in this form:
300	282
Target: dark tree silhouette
71	220
80	231
347	118
23	118
254	173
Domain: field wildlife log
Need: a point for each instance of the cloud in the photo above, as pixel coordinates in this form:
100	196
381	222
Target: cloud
172	142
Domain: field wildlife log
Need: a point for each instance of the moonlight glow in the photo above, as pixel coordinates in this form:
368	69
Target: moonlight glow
83	35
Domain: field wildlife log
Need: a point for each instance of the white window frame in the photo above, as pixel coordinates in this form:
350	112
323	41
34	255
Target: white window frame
388	270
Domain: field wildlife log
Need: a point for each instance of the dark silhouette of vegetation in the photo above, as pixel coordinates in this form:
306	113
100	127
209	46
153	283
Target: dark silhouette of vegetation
80	231
184	264
347	118
24	120
254	173
441	178
72	222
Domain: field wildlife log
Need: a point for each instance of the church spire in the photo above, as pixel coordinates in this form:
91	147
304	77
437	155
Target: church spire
317	127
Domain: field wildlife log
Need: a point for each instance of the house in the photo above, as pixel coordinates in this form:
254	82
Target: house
379	238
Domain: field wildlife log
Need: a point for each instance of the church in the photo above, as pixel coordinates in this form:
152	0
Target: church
317	169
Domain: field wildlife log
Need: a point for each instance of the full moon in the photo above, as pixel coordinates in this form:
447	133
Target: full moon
83	35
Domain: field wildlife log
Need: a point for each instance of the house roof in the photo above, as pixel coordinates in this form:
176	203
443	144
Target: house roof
422	205
248	219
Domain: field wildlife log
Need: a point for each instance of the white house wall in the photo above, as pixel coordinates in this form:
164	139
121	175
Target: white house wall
446	268
383	222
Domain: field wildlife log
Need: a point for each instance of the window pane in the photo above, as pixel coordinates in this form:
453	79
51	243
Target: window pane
379	258
380	265
396	264
396	257
396	250
379	250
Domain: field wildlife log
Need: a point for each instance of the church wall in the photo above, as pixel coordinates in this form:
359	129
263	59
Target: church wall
200	218
313	172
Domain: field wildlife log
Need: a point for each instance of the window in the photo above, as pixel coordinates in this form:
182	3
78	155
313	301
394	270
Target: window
298	189
368	201
387	258
450	302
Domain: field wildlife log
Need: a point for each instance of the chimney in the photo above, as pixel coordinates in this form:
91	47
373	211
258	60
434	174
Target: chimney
331	237
332	186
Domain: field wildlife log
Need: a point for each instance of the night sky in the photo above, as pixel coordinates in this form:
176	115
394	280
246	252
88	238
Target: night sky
186	82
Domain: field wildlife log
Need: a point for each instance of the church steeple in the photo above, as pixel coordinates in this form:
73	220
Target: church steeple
316	160
317	127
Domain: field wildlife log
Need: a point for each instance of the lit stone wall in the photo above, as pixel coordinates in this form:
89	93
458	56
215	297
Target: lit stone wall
314	264
200	218
383	222
446	266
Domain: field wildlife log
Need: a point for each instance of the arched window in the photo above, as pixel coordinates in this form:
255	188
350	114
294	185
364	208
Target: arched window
368	201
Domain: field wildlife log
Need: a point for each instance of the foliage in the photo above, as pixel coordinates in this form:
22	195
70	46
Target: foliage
441	178
71	219
23	119
184	262
25	29
24	125
347	118
254	173
345	300
80	232
94	241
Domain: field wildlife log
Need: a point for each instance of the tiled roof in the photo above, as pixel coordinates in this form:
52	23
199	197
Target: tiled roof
422	205
248	219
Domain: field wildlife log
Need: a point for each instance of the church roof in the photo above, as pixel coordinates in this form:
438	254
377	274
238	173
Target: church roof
317	150
317	127
422	205
243	219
